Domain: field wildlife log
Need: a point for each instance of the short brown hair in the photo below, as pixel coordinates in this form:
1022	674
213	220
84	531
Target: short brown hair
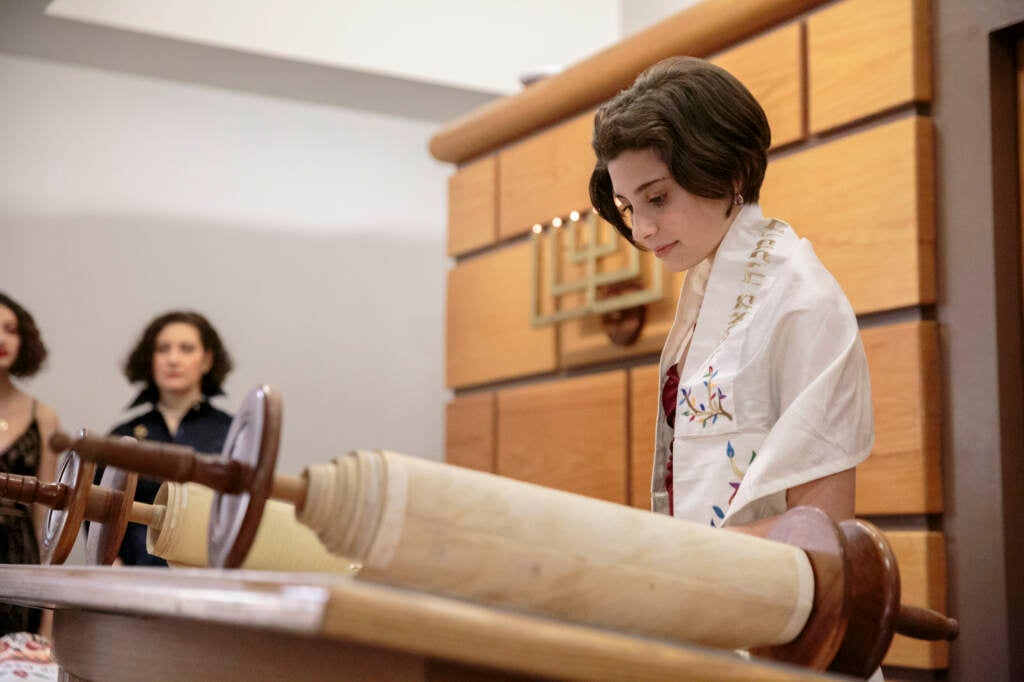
32	350
138	367
700	120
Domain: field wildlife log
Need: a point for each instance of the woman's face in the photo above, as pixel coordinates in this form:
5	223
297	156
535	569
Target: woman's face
179	359
681	229
10	339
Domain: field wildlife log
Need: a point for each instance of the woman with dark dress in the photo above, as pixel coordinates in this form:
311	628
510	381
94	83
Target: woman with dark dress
182	362
25	429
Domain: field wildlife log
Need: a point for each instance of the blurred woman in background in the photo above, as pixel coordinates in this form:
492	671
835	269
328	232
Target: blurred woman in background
25	429
183	363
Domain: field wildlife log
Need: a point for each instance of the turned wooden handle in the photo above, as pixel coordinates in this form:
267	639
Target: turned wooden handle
165	461
29	490
920	623
151	515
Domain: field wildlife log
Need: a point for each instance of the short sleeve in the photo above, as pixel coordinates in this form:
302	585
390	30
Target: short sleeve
821	392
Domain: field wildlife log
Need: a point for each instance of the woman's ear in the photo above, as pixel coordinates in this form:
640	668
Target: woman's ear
207	361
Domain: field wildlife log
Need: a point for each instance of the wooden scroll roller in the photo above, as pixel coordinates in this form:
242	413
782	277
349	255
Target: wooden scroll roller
242	477
72	499
177	521
827	598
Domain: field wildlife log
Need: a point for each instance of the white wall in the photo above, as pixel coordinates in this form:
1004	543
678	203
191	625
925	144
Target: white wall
637	15
295	204
482	46
312	236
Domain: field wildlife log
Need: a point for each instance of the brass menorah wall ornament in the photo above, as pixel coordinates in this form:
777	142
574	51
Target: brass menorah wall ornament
618	295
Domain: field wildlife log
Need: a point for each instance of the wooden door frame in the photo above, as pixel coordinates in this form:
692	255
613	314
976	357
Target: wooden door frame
978	308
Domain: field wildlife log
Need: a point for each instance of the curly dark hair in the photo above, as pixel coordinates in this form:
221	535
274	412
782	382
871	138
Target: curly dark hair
700	120
32	352
138	367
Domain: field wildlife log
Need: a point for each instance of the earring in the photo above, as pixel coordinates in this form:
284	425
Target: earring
738	200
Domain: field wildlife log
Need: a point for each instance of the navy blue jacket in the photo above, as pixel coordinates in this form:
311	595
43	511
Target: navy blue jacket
204	428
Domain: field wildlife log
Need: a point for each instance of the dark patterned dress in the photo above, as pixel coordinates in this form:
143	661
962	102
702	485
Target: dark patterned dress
17	536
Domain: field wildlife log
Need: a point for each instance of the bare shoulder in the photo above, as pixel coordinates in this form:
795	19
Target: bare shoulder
47	417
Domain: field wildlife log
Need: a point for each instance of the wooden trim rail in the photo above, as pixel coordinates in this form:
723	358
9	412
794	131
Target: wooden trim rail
699	31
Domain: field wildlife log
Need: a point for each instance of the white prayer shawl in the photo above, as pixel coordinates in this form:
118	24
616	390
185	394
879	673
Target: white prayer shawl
774	389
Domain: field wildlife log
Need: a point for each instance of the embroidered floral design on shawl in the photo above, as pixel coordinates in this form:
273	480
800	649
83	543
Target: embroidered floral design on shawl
730	452
710	411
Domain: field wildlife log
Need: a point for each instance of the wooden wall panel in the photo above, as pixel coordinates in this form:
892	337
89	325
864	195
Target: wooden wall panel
545	176
470	426
771	66
643	407
567	434
921	556
867	56
473	206
903	473
489	336
866	203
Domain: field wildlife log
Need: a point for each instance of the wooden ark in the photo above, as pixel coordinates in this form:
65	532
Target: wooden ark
852	168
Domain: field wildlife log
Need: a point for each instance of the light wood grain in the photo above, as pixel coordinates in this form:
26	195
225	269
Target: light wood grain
107	647
699	30
922	560
866	202
488	325
545	176
471	421
568	434
903	474
444	671
771	66
867	56
644	387
473	206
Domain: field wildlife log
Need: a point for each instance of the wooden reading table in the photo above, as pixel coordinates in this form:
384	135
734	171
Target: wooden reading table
133	624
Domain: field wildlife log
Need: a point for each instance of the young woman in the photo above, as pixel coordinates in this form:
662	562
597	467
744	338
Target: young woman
765	401
25	429
183	363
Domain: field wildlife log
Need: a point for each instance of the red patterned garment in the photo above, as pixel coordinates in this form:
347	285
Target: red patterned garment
668	404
